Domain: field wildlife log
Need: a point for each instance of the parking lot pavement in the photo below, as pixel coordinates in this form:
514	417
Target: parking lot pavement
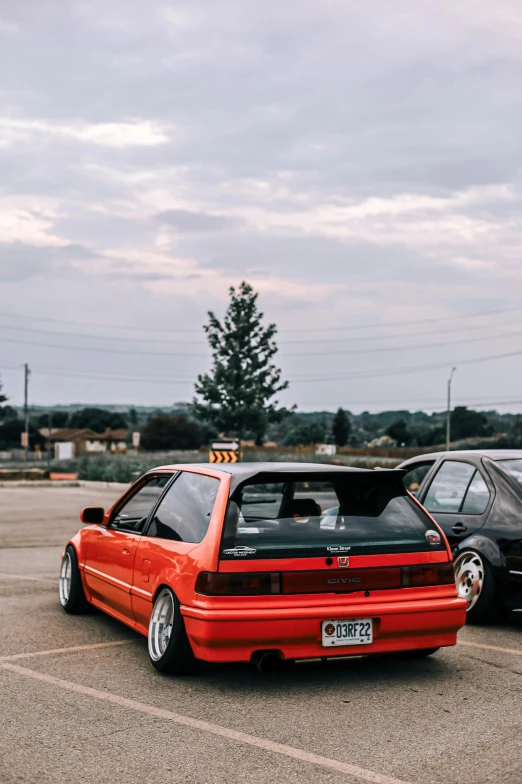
86	704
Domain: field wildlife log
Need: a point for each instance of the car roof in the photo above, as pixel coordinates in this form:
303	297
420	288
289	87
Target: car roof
250	469
241	472
493	454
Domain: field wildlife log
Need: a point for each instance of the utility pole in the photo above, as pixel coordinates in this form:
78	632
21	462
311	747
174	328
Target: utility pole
448	413
26	409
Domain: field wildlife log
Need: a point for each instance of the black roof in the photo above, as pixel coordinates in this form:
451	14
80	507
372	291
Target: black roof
493	454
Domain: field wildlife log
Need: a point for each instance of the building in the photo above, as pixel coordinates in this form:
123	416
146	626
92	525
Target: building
84	440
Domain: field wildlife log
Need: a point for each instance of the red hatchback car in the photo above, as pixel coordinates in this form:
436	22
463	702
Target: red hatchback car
261	560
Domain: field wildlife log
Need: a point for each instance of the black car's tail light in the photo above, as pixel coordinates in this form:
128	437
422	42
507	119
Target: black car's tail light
249	584
430	574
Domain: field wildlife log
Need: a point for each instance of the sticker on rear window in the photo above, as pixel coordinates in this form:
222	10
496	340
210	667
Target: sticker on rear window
433	537
240	551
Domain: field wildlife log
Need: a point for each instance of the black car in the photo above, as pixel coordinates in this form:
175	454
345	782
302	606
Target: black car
476	498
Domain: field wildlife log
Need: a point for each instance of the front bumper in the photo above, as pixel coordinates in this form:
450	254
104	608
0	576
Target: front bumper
234	635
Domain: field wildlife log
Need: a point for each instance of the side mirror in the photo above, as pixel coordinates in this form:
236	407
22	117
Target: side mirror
93	515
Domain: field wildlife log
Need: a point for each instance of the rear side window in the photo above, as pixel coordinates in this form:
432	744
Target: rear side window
184	513
132	516
457	488
414	476
477	497
349	513
449	486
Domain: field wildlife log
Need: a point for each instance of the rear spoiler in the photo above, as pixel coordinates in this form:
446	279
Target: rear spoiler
382	476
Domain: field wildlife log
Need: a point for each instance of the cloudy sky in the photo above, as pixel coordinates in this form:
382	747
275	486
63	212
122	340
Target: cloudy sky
358	163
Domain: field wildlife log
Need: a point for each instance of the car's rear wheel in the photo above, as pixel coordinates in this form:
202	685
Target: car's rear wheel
475	583
72	595
169	646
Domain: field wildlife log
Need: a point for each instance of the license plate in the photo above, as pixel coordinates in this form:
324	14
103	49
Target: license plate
351	632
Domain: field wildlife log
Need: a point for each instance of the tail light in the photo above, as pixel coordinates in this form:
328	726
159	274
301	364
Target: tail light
432	574
250	584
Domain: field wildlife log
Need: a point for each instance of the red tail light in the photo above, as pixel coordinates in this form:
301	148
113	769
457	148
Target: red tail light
250	584
432	574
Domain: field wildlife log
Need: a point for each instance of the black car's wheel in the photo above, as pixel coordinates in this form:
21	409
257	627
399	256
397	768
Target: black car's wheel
475	583
169	646
72	596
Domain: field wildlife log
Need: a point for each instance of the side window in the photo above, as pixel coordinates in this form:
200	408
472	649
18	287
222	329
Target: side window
134	512
184	513
414	476
477	497
449	487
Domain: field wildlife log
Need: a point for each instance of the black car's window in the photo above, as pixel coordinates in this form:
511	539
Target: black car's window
449	486
347	514
513	466
477	497
414	476
132	516
184	513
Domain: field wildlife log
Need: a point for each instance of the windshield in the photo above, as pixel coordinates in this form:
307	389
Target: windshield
347	513
513	466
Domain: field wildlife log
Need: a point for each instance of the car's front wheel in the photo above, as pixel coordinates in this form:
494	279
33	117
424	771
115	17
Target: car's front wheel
475	583
72	595
169	646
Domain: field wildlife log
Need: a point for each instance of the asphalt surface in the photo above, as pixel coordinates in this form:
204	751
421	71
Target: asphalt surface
101	713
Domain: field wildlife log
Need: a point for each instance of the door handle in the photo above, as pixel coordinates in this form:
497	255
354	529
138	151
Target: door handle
459	528
126	551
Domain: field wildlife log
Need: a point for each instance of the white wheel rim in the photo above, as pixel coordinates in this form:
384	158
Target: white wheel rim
469	577
161	624
65	578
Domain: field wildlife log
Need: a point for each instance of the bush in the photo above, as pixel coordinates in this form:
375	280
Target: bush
167	431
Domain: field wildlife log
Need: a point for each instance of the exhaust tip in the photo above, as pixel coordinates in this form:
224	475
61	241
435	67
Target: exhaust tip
266	661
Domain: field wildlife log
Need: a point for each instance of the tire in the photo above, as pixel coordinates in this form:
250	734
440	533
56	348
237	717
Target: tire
72	595
420	653
475	582
169	647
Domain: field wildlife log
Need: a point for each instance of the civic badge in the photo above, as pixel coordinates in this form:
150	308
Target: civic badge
343	562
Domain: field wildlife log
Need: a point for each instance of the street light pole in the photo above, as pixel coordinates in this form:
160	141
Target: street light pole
448	412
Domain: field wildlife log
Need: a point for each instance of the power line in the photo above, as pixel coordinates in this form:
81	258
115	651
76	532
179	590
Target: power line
184	341
405	370
359	374
382	325
344	352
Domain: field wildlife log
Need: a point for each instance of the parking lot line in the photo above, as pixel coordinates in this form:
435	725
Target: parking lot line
204	726
515	651
8	576
73	649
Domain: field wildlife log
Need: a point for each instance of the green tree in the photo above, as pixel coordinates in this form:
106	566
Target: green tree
11	430
236	397
399	432
6	412
341	428
304	433
97	419
165	431
54	419
466	423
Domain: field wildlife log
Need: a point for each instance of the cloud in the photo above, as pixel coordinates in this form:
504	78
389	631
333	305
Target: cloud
356	163
186	221
117	135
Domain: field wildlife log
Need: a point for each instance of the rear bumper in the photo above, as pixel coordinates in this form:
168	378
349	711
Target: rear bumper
234	635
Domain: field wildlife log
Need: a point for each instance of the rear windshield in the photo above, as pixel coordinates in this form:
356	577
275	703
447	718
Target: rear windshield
345	514
513	466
